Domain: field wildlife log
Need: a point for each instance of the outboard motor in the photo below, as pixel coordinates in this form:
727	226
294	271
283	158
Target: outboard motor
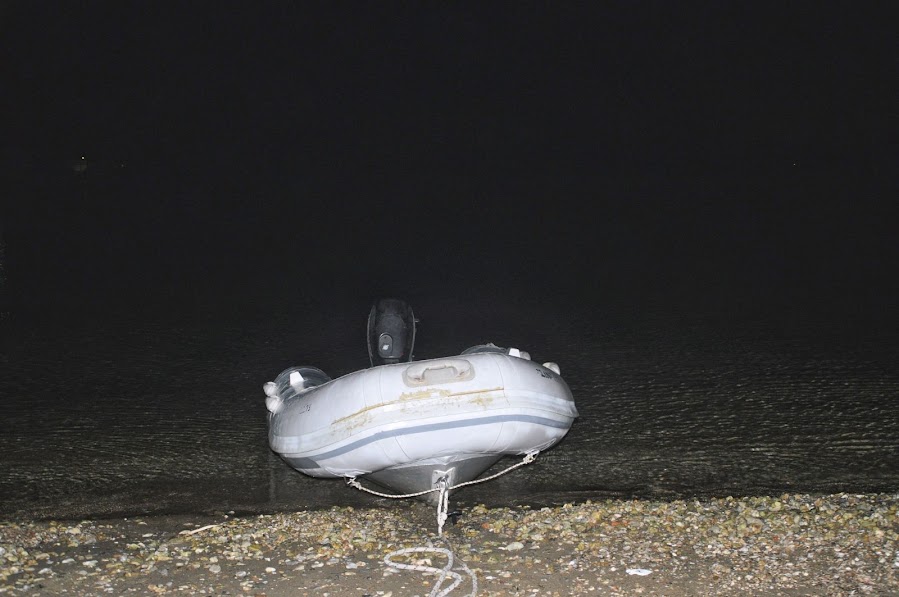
391	332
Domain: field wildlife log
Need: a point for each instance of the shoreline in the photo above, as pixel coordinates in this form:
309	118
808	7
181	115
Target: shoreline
793	544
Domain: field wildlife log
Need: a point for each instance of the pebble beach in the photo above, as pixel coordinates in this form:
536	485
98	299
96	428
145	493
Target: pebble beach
793	544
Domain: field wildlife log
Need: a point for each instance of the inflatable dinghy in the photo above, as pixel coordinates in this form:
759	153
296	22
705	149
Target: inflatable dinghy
409	425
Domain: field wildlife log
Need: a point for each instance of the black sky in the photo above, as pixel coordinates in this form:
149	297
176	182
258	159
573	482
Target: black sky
670	145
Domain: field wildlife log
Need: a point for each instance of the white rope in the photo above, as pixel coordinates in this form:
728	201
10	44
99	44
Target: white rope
352	482
442	506
443	573
442	515
443	499
528	458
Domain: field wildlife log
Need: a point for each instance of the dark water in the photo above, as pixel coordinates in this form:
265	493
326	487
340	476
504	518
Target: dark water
160	408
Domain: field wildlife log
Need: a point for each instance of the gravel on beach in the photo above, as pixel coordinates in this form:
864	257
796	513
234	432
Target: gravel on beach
787	545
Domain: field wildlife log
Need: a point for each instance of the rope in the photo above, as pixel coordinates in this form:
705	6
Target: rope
442	515
352	482
528	458
443	573
443	499
442	506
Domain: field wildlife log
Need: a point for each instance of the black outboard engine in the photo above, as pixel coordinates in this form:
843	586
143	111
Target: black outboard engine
391	332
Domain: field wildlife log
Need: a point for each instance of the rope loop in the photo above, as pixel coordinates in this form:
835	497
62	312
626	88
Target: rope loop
442	516
442	573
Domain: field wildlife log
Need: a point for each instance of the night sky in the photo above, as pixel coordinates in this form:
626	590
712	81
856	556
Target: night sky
679	151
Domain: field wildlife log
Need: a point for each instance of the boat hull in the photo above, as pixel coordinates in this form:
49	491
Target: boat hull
425	475
405	426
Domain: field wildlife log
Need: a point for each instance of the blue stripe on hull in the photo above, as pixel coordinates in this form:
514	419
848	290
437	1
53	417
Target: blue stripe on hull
301	462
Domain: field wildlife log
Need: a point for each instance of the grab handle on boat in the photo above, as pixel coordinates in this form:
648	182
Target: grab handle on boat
436	372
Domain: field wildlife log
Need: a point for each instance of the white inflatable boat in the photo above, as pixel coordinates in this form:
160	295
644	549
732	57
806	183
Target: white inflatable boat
409	425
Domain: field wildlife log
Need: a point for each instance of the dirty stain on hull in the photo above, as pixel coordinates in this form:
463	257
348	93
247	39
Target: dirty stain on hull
420	400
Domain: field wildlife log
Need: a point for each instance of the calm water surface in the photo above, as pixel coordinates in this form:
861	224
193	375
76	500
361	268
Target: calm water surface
158	413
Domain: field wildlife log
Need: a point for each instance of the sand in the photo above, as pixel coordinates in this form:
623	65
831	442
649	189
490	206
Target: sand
787	545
